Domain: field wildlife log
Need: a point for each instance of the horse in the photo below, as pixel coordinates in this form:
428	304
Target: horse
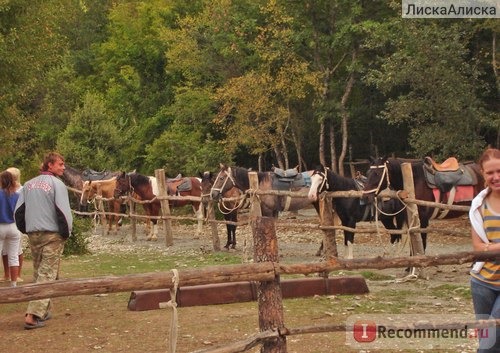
271	205
75	178
352	210
385	172
143	185
229	209
105	189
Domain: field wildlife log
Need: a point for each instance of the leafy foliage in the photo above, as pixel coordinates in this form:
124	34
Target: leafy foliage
91	139
133	84
77	243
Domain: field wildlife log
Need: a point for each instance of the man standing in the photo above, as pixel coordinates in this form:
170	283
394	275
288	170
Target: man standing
43	212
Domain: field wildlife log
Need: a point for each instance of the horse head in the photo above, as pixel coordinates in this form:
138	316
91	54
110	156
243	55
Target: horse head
87	196
122	185
319	182
223	182
377	178
207	180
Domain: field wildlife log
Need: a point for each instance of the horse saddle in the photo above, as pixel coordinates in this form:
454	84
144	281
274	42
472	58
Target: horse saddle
289	179
181	184
93	175
448	174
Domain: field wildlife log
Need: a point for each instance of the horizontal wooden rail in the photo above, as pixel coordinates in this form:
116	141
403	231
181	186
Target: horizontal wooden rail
265	271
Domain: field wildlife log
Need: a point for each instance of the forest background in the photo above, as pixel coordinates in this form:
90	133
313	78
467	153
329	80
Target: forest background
185	85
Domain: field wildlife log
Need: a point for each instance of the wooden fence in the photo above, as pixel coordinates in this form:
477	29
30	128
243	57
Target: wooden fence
267	271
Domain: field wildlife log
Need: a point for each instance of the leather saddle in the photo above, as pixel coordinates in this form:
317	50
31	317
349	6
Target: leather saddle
448	174
179	184
93	175
289	179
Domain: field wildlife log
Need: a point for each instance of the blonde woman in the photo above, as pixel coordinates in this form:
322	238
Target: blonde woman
9	234
16	174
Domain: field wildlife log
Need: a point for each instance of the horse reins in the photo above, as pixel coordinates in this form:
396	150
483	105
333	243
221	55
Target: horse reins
385	174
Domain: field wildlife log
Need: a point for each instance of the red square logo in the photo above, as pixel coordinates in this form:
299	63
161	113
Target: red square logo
365	331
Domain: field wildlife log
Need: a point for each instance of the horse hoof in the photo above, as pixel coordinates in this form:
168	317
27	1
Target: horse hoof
233	246
154	239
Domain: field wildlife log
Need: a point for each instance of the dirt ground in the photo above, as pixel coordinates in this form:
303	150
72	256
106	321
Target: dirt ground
102	323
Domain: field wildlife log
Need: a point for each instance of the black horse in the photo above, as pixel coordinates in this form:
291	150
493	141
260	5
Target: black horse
385	172
229	209
352	210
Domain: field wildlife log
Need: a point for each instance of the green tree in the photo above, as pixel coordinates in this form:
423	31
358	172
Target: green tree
432	87
91	139
31	44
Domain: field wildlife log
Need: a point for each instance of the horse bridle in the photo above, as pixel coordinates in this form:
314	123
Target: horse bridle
324	182
228	177
130	187
385	174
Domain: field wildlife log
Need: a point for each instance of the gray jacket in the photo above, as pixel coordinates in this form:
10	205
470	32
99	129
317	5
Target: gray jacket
43	206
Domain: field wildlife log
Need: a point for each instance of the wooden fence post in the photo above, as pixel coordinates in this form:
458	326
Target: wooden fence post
269	296
417	247
255	211
327	219
165	208
133	220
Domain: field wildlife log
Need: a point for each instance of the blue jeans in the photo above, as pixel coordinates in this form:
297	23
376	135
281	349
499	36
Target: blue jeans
486	303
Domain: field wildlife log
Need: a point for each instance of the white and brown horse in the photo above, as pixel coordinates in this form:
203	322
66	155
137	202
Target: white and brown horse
104	189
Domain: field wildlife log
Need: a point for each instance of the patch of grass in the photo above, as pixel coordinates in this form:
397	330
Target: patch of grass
373	276
451	290
122	264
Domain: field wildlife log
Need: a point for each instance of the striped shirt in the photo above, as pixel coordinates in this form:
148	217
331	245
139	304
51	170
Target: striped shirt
490	273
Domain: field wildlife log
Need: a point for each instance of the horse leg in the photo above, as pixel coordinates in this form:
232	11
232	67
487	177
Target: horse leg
154	233
233	236
388	223
349	241
320	250
199	216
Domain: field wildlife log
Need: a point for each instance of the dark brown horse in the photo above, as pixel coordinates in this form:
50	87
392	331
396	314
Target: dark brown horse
385	172
271	205
229	209
140	185
146	189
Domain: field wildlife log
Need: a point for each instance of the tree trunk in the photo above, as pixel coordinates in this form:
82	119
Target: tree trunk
279	157
269	295
345	116
322	159
298	149
285	152
333	154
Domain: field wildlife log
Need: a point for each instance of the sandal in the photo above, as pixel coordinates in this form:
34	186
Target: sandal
38	323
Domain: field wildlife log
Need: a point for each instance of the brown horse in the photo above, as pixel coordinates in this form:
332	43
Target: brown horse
229	209
187	186
144	187
104	189
271	205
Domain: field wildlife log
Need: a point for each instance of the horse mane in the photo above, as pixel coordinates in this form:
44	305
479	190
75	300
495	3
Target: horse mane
138	179
339	182
240	174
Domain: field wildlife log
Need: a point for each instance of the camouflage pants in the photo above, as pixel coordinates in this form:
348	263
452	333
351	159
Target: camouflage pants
46	249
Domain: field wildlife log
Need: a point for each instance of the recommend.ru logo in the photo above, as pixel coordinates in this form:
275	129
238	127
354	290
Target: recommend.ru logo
418	331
